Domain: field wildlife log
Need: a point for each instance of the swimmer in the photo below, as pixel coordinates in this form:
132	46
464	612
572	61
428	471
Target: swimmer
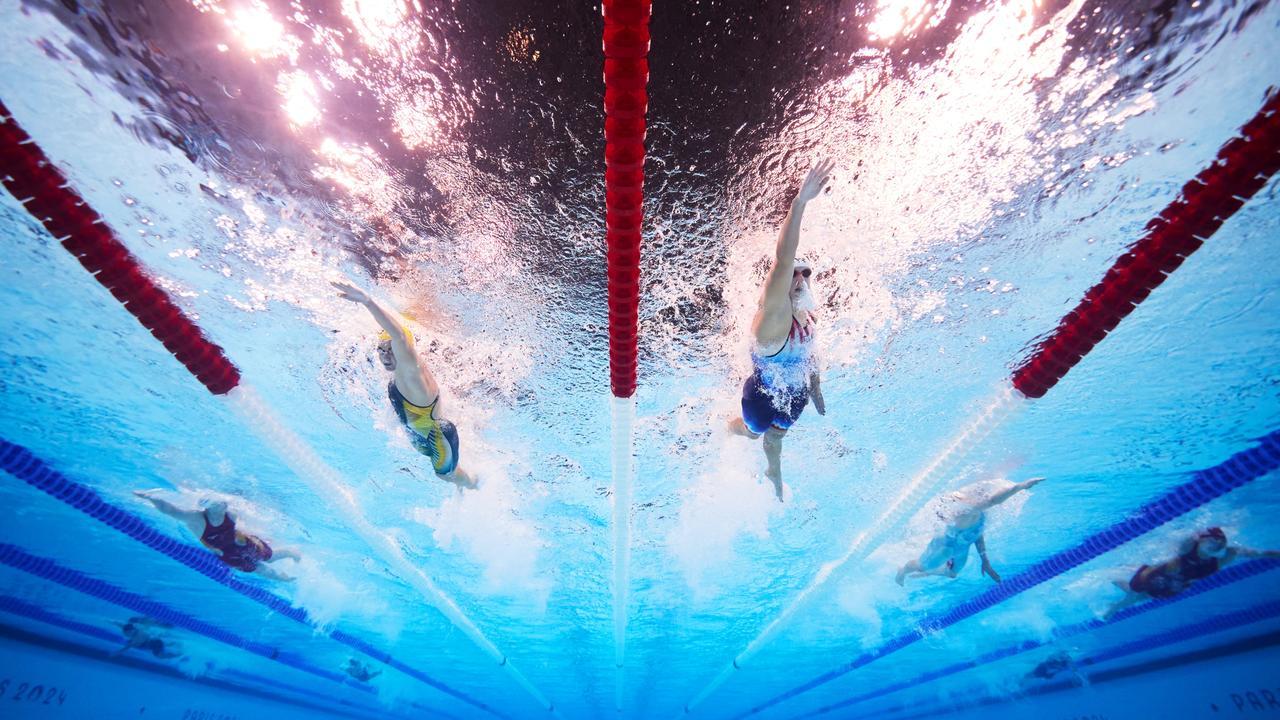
1200	556
413	391
1050	668
963	525
785	376
360	671
150	635
216	528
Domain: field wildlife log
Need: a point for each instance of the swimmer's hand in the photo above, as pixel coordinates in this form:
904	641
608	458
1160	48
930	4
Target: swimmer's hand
347	291
988	570
1028	484
815	393
815	182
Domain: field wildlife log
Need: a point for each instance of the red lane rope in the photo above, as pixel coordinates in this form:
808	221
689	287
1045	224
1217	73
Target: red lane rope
626	75
1242	167
43	190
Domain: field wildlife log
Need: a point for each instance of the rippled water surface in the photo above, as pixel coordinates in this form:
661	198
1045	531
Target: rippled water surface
992	160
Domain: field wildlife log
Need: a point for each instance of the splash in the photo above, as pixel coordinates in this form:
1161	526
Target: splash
728	500
488	525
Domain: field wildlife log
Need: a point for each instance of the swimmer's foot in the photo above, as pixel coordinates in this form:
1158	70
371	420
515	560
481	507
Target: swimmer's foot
777	484
463	480
902	576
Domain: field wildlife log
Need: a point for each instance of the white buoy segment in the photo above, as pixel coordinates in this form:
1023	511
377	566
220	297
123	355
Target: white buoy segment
623	468
330	486
914	495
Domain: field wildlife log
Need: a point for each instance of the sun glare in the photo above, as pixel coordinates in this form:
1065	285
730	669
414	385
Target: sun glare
301	100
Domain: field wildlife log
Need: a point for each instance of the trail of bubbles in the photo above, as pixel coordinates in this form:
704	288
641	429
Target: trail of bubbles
917	492
325	482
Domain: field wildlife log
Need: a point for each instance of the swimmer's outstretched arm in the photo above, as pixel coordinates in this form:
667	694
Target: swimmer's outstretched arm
1239	551
194	519
773	318
412	376
1010	491
387	318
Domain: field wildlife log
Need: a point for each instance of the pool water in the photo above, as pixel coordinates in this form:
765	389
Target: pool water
993	159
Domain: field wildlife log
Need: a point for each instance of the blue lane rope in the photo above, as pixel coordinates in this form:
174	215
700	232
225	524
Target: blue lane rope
48	569
16	606
24	465
1219	623
1226	576
1205	485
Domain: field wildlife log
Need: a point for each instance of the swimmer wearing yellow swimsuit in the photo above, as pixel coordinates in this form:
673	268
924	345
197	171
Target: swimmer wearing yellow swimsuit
413	391
431	436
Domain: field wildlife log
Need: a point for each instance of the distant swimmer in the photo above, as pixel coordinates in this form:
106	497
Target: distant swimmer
785	376
413	391
1200	556
216	528
150	635
360	671
1052	667
964	524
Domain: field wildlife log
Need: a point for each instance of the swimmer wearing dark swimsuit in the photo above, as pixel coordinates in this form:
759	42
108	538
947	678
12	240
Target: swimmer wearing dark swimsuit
240	551
1170	578
1203	555
778	390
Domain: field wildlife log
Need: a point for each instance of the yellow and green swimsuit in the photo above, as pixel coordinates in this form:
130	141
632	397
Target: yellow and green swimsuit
435	438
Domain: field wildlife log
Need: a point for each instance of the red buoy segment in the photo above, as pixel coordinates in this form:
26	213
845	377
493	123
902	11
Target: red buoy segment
43	190
1242	167
626	75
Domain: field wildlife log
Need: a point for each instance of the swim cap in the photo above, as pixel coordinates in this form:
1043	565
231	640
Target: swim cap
384	336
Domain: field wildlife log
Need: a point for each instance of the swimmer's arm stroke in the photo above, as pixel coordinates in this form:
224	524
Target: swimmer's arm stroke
271	573
412	377
1239	551
815	393
981	545
773	318
194	519
389	320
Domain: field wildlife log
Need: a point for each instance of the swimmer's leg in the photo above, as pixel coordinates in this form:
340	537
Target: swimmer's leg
911	568
738	426
773	454
460	478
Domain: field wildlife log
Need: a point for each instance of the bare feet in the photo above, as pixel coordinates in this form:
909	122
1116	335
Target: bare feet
776	479
462	480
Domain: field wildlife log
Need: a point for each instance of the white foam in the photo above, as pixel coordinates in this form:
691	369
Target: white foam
727	501
489	525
